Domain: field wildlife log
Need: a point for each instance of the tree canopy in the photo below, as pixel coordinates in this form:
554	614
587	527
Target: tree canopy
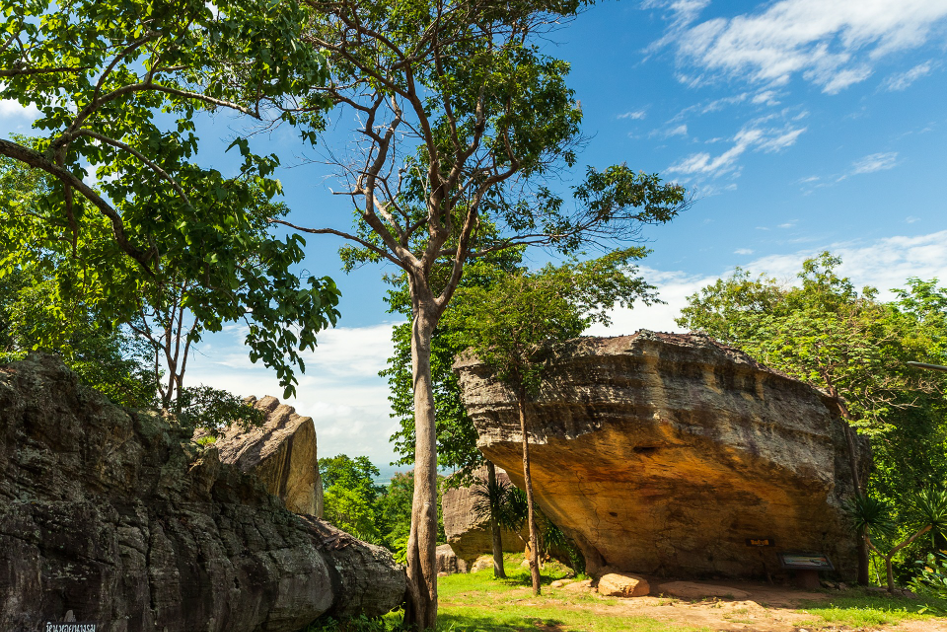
122	198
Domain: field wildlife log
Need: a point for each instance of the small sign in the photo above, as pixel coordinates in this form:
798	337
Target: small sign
760	542
806	561
72	626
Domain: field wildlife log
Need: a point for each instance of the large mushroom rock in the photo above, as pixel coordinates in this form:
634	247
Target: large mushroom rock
667	454
467	534
104	512
281	452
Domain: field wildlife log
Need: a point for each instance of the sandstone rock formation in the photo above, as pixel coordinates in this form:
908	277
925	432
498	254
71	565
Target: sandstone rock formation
468	535
616	584
447	561
104	512
664	454
281	452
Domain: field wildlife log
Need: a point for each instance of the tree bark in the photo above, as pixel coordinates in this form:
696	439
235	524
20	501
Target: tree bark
864	577
421	607
531	512
497	537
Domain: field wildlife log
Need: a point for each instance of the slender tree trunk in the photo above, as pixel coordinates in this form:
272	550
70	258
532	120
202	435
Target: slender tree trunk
531	512
864	577
421	607
889	572
497	537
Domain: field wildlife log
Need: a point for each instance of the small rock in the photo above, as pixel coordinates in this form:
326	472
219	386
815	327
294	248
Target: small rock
842	586
482	563
694	590
623	585
559	583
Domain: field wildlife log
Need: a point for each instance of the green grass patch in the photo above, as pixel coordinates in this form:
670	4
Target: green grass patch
862	608
477	602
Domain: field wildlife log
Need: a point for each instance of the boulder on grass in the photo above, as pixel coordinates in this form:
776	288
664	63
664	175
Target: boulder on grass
617	584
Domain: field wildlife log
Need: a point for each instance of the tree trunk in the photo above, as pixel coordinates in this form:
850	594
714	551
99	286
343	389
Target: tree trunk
889	571
421	608
530	510
864	577
497	537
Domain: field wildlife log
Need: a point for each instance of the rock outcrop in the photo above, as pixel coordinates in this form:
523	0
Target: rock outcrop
104	512
622	585
447	561
670	454
469	535
281	452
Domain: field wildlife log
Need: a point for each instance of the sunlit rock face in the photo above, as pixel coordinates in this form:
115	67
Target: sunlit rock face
468	533
665	453
281	452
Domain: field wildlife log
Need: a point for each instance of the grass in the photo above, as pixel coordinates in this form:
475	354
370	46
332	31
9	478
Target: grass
477	602
859	608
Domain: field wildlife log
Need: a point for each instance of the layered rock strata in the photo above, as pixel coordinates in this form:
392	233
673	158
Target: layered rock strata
281	452
469	534
673	455
104	512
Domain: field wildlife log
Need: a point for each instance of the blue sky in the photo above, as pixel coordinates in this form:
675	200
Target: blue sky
798	126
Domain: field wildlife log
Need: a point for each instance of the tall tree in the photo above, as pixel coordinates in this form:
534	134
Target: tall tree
504	323
464	123
455	433
117	86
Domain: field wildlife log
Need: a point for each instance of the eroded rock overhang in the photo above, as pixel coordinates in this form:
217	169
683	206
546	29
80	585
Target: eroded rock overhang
665	453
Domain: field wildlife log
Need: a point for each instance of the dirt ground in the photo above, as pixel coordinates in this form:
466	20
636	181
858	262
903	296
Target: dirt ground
766	609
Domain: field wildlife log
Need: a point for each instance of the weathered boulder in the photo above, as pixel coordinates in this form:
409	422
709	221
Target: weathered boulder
469	535
618	584
104	512
281	452
665	454
447	561
482	563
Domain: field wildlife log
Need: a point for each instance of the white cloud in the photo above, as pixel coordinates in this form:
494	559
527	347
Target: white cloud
10	109
901	81
753	136
743	251
875	162
680	130
884	264
635	115
766	97
831	44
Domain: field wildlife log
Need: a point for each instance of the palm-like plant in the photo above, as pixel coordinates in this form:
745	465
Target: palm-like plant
871	518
